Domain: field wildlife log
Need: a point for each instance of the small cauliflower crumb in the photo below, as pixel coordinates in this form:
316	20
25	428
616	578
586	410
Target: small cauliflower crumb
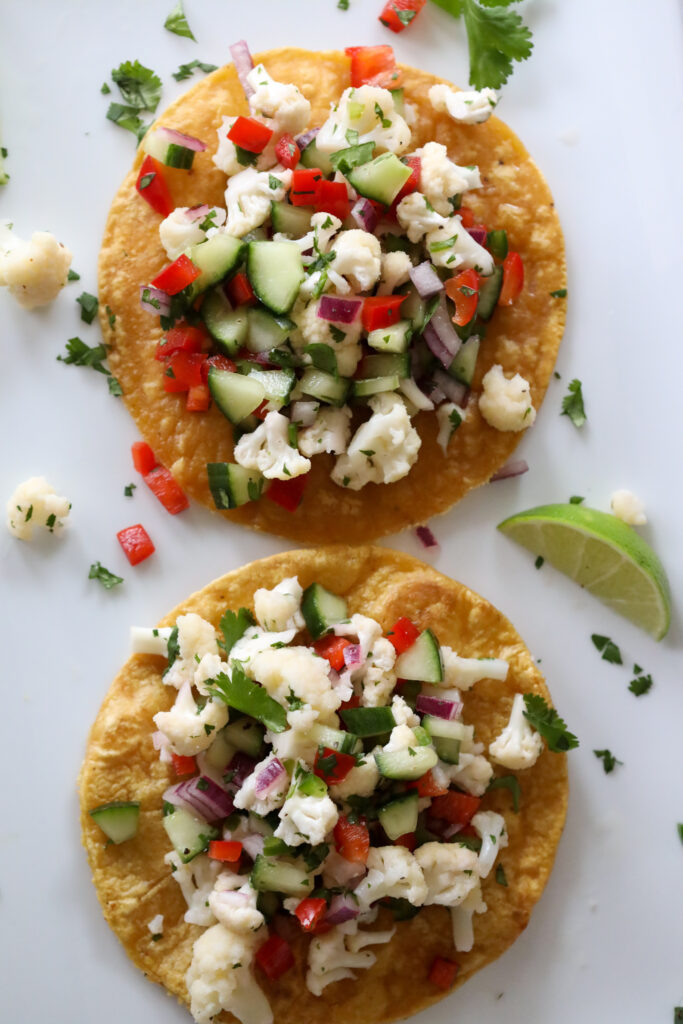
628	507
468	107
506	403
34	272
35	504
156	925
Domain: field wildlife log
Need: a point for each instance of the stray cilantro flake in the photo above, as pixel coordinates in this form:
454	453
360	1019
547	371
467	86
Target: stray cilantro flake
115	388
138	85
576	499
637	669
386	123
442	246
338	335
176	22
50	522
548	723
274	182
609	761
73	276
500	876
111	317
187	70
343	5
510	782
233	626
495	37
561	293
557	376
405	17
209	221
127	117
105	90
146	180
539	561
156	938
678	1014
28	514
103	576
88	304
640	685
572	404
80	354
610	651
679	829
128	490
172	647
293	702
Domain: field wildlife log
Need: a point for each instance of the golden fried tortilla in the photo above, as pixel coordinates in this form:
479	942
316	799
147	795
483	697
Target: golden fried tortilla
133	883
523	338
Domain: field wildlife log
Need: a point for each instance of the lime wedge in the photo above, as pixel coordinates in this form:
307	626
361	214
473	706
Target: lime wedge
602	554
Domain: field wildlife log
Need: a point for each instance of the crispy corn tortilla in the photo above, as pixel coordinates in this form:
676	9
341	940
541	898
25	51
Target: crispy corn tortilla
523	338
133	883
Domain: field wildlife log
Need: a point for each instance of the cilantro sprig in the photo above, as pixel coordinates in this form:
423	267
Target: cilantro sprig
548	723
610	651
233	626
103	576
140	90
176	22
572	404
187	70
495	37
609	761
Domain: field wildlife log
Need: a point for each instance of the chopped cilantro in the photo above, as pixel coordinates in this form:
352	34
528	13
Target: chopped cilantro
405	17
640	685
156	938
539	561
351	136
338	335
323	358
510	782
209	221
128	118
88	304
679	829
495	37
29	514
146	180
172	647
609	761
73	276
500	876
343	5
610	651
346	481
576	499
80	354
187	70
103	576
111	317
326	763
367	451
138	85
548	723
274	182
50	522
572	404
176	22
293	702
105	90
557	375
244	157
386	123
115	388
442	246
128	490
560	293
315	855
233	627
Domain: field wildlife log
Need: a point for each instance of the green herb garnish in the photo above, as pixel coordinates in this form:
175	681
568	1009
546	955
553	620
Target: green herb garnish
572	404
640	685
128	490
610	651
496	37
609	761
187	70
500	876
548	723
103	576
510	782
233	627
560	293
88	304
115	388
80	354
73	276
176	22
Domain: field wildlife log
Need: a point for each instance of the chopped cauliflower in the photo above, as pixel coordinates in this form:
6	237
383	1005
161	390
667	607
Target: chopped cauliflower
219	970
490	826
283	106
236	908
472	772
392	871
441	179
196	880
206	671
35	504
450	245
35	272
449	416
366	629
343	339
417	216
279	609
178	231
629	508
468	107
450	872
329	432
253	642
335	955
402	738
463	673
246	798
156	925
361	780
519	745
357	258
185	725
403	713
461	919
505	403
293	744
396	267
268	449
148	640
369	111
306	819
196	637
298	670
383	449
249	195
377	676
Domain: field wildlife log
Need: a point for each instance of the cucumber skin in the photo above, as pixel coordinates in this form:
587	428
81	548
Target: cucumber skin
232	485
264	877
399	817
317	621
216	379
402	765
260	266
116	813
428	650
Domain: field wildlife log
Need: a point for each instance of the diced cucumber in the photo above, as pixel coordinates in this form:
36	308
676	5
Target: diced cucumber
489	290
447	749
232	485
399	816
221	752
118	820
412	763
335	739
497	243
267	331
374	386
321	609
324	386
346	159
421	735
394	338
270	874
448	728
462	367
226	325
310	785
401	908
261	825
275	271
255	235
368	721
235	395
216	258
277	384
389	365
171	154
246	735
399	101
188	834
312	157
291	220
422	660
380	179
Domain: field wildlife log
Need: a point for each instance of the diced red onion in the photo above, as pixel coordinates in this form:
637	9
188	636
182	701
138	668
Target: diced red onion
306	138
438	707
442	324
453	389
436	346
432	391
478	234
177	138
353	655
338	309
241	58
194	213
425	279
452	830
426	537
253	845
343	907
201	796
365	215
337	870
514	468
269	778
153	300
242	766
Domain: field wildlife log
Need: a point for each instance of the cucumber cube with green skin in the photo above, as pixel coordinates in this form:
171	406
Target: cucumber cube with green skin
345	160
411	763
399	101
290	220
399	816
246	735
380	179
235	395
277	384
368	721
447	749
464	364
221	752
227	326
270	874
232	485
312	157
188	834
489	291
422	660
267	331
448	729
215	258
118	820
324	387
389	365
394	338
275	272
321	609
374	386
335	739
310	785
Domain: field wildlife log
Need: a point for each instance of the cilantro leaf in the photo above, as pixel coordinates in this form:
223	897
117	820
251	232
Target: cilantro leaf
548	723
610	651
4	176
139	86
128	490
640	685
233	626
539	561
115	388
495	38
73	276
315	855
294	703
103	576
576	499
176	22
80	354
572	404
88	304
510	782
609	761
238	691
500	876
187	70
679	829
172	647
127	117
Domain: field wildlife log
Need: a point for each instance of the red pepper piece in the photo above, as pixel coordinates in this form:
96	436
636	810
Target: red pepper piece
403	634
381	311
288	493
162	484
181	338
239	290
199	396
183	765
305	186
183	371
332	197
374	65
513	279
427	787
399	14
136	543
152	186
455	808
332	648
409	840
352	702
352	840
443	972
466	216
144	459
310	912
250	134
332	766
176	275
413	182
463	289
225	849
287	151
219	361
274	957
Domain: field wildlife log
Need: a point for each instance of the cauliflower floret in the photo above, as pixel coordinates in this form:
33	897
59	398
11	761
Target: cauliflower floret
450	872
472	772
357	258
519	745
282	106
389	436
268	449
329	432
403	713
253	642
249	195
402	738
246	798
300	671
149	640
35	272
293	744
279	609
361	780
178	230
366	629
396	267
441	179
236	909
35	504
505	403
185	725
628	507
306	819
461	919
343	339
449	416
196	637
331	957
465	672
376	675
417	216
370	111
470	107
196	881
219	978
392	871
450	245
156	925
206	671
491	829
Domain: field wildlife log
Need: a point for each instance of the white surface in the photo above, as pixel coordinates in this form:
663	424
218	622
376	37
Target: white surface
599	106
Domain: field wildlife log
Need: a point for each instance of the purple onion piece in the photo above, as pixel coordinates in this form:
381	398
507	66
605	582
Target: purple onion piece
425	279
353	655
202	797
338	309
153	300
478	234
432	391
438	707
365	215
252	845
181	139
196	212
453	389
452	830
241	766
304	140
426	537
269	778
514	468
442	325
343	907
241	58
436	346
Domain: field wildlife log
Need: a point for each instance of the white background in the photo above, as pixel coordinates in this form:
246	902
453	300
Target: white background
599	107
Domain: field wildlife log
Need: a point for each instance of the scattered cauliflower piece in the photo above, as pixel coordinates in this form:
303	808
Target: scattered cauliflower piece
219	978
519	745
236	908
306	819
249	195
253	642
184	726
178	231
377	676
282	106
417	216
35	272
468	107
149	640
463	673
403	713
246	798
279	609
370	111
156	925
396	267
628	507
505	403
450	872
361	780
383	449
196	880
472	772
357	258
334	956
451	245
35	504
329	432
268	449
461	919
392	871
490	827
196	637
441	179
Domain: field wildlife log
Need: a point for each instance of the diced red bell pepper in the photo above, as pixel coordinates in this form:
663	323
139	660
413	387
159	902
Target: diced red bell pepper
183	765
399	14
305	185
176	275
287	151
374	65
426	786
152	186
250	134
455	808
443	972
225	849
181	338
403	634
262	410
199	396
219	361
288	493
144	459
413	182
352	702
463	289
183	371
409	840
513	279
136	543
274	957
332	766
381	311
332	197
310	912
239	290
352	840
255	357
162	484
466	216
332	648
